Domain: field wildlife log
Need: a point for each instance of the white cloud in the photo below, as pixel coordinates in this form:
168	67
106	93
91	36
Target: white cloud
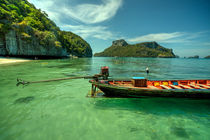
174	37
86	13
49	7
160	37
92	13
67	12
85	31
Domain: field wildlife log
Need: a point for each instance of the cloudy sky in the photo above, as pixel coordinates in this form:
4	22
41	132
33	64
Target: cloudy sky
183	25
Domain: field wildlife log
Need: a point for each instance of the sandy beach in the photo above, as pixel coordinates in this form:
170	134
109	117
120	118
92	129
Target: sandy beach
4	60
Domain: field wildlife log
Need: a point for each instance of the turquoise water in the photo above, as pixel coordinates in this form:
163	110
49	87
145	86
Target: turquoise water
61	110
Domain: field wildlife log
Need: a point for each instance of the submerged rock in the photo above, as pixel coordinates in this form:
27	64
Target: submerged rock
179	132
24	100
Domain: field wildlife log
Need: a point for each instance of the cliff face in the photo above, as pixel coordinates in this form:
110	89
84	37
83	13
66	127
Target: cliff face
28	32
13	44
121	48
2	46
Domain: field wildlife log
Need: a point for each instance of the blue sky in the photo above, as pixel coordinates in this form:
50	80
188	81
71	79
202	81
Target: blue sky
183	25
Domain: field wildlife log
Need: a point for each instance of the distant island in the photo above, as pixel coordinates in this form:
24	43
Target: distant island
196	56
120	48
207	57
28	32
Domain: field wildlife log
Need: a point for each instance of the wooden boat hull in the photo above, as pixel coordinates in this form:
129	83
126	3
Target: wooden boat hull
119	91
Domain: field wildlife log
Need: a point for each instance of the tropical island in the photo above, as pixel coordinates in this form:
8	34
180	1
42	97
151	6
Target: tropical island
120	48
28	32
207	57
196	56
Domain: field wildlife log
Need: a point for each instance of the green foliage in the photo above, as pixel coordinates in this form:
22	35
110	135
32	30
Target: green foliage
58	44
137	50
4	14
75	44
30	22
25	35
19	10
34	23
14	8
4	27
46	38
1	27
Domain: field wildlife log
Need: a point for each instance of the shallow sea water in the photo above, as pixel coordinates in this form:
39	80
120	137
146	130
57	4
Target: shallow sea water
61	110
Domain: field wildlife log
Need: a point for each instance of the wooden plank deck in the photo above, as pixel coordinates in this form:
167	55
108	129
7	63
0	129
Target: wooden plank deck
196	86
204	85
176	87
165	87
184	86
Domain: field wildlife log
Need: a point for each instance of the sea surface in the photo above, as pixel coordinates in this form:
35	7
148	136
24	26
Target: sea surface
61	110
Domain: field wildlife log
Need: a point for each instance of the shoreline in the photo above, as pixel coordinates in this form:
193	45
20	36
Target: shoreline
5	60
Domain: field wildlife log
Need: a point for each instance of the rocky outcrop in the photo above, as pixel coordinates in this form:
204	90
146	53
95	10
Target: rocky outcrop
152	45
120	42
13	44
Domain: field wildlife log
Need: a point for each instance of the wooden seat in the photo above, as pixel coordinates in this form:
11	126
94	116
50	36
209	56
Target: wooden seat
195	86
166	87
184	86
204	85
176	87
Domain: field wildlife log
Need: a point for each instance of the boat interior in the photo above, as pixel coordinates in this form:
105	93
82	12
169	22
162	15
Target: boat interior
163	84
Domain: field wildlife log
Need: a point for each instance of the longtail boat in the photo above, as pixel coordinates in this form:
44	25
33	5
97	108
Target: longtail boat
141	87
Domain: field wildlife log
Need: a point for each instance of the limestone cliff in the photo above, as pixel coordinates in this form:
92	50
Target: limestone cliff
13	44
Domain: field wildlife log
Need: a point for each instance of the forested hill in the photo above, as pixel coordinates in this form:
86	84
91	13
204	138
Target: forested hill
27	31
120	48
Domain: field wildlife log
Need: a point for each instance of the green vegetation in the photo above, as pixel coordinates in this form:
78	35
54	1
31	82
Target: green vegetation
76	45
146	49
29	22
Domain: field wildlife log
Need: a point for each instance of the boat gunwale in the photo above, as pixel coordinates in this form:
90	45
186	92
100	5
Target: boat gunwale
148	89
